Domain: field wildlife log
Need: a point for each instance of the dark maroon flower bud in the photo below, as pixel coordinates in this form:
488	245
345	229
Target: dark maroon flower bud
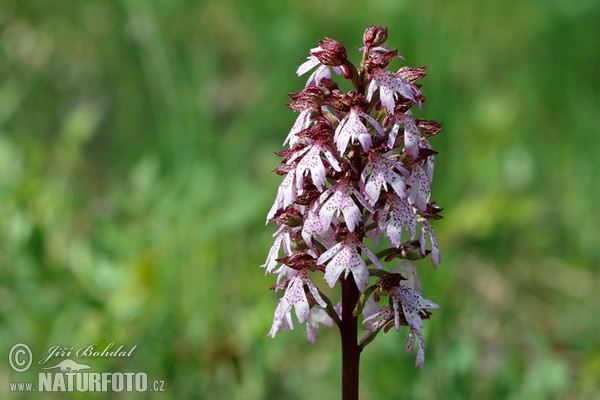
375	36
336	101
424	152
380	59
330	52
432	211
351	99
319	131
290	217
327	86
309	193
428	127
412	74
390	280
298	261
409	251
286	153
311	96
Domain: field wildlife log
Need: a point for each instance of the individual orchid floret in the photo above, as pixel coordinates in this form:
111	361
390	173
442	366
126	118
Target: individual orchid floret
352	128
330	53
310	161
286	195
413	310
380	57
412	135
390	85
338	199
314	226
420	188
427	230
378	173
294	296
302	122
408	307
375	36
401	217
377	319
282	236
411	304
345	257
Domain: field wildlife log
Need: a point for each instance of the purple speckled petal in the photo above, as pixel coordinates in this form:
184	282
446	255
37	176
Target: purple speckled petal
401	217
435	250
351	128
373	123
302	122
329	253
411	306
372	88
347	260
381	174
420	188
390	84
315	292
410	345
286	195
340	201
387	98
271	261
393	133
412	136
312	223
336	266
370	255
306	66
331	158
311	162
295	296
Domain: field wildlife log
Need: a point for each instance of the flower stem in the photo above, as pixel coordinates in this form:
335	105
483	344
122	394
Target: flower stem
348	332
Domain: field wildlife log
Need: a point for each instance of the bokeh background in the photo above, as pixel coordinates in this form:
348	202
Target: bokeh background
136	144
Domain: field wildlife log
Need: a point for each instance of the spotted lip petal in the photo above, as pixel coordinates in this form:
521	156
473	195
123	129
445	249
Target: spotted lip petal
311	161
338	199
389	85
381	173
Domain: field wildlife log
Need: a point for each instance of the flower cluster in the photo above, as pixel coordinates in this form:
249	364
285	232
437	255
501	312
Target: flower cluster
357	166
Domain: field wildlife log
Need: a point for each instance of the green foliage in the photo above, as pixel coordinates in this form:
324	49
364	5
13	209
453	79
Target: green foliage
136	143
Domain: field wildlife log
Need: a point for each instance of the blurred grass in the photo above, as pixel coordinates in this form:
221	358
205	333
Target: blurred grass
136	143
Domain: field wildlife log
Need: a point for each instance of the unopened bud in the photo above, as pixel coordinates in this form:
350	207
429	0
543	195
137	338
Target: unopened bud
411	74
298	261
290	217
375	36
380	59
330	52
428	127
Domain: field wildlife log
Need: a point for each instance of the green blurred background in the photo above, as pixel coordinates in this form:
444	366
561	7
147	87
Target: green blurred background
136	144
